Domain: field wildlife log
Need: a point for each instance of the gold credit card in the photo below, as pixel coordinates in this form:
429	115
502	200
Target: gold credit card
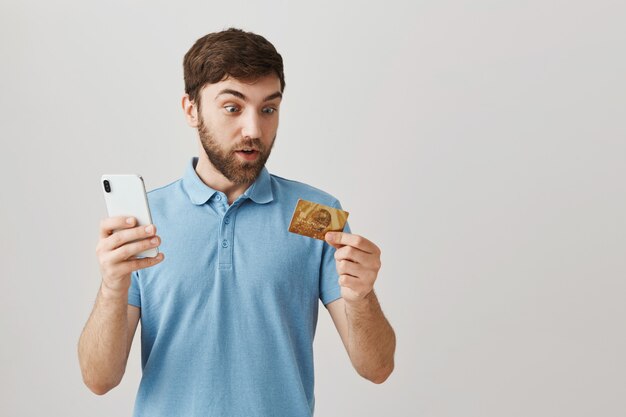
314	220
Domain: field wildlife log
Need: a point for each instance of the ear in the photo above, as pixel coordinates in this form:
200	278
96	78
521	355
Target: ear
191	111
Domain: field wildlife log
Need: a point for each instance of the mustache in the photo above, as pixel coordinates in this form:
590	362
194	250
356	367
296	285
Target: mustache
255	144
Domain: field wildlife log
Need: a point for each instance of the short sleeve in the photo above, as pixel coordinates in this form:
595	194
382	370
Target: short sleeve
134	295
329	285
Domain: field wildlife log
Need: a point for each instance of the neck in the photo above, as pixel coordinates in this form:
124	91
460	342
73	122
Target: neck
216	180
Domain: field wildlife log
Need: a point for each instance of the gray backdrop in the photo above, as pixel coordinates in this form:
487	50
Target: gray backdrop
481	145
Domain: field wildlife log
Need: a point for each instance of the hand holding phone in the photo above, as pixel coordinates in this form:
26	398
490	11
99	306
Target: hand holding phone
125	195
128	239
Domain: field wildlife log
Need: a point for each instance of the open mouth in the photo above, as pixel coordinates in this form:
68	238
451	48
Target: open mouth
248	154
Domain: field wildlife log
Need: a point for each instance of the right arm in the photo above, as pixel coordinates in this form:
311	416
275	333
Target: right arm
105	342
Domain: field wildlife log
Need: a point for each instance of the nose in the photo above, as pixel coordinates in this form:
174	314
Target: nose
251	128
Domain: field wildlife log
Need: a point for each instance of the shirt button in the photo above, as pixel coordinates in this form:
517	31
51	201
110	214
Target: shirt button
218	197
224	243
227	220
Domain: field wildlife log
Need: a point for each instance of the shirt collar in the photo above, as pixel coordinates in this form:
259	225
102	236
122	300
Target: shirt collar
261	190
199	193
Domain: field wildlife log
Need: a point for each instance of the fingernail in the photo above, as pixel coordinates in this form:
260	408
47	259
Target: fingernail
330	236
154	240
130	220
149	229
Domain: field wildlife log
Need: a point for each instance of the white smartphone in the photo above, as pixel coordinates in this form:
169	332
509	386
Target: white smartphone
125	195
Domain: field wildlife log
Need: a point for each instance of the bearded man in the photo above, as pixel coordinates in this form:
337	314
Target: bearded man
229	307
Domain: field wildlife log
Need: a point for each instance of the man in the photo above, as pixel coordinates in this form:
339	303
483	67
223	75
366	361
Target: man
229	307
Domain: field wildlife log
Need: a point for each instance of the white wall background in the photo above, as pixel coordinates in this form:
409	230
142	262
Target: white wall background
481	144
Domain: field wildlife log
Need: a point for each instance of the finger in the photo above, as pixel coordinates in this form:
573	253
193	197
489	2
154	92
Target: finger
122	237
358	271
109	224
130	250
350	253
136	264
340	239
127	267
353	254
355	284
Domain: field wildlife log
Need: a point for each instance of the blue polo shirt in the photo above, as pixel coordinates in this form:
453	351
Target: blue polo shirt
228	318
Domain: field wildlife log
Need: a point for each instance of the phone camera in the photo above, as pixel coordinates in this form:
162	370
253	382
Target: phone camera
107	186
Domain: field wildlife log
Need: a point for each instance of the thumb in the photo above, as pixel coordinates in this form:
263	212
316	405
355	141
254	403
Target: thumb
333	239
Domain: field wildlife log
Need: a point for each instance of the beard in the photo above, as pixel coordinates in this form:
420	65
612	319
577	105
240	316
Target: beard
226	161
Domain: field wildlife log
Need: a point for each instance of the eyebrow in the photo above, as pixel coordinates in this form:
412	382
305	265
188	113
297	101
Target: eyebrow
237	94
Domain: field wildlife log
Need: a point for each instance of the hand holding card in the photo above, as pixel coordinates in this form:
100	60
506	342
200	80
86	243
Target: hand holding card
358	262
357	258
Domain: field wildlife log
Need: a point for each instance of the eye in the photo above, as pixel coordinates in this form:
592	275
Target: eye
268	110
231	109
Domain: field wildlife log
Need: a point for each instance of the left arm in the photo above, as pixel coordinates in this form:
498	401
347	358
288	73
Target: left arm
366	334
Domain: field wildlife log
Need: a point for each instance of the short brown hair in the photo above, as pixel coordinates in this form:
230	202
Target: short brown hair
229	53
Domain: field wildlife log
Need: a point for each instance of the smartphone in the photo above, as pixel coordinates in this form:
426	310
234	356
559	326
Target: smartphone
125	195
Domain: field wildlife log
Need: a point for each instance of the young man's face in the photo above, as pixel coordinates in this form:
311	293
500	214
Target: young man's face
237	125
